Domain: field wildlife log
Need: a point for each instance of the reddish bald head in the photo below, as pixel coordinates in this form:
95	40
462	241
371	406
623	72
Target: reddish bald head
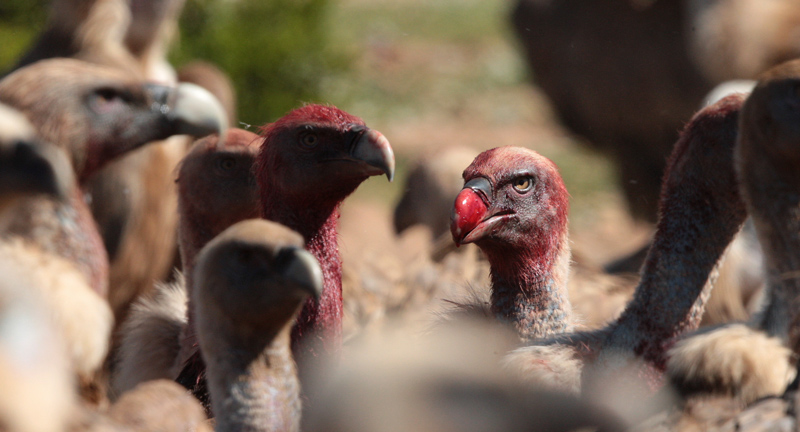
313	113
319	154
509	191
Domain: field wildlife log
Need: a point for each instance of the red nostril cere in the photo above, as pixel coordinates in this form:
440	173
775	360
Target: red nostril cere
468	211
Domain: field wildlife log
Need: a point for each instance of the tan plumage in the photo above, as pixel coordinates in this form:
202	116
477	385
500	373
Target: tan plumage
35	369
150	338
740	39
160	405
82	317
447	380
733	360
78	107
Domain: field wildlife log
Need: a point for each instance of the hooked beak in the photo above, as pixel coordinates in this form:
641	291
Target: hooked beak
302	269
29	166
191	109
470	220
373	149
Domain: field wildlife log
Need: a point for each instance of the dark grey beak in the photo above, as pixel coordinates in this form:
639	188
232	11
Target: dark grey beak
303	269
28	166
482	186
372	148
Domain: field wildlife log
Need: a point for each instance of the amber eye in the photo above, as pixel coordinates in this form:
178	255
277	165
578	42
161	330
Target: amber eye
226	164
309	140
523	184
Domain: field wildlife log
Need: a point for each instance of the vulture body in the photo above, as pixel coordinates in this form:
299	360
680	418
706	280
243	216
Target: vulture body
447	380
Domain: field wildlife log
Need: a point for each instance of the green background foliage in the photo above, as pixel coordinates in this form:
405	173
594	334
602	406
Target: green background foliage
276	51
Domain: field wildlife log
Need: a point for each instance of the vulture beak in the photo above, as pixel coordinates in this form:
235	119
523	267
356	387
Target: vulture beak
28	166
372	148
301	268
191	109
470	219
31	167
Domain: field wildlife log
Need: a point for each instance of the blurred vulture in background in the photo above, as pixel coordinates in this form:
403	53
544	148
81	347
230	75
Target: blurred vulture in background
627	74
133	200
89	30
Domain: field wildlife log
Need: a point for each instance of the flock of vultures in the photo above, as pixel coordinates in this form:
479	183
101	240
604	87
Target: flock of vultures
162	270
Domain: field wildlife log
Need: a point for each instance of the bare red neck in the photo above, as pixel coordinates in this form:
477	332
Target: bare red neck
700	213
319	325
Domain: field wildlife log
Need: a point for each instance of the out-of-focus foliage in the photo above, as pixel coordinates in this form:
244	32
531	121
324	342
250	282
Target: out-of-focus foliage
22	12
20	21
276	51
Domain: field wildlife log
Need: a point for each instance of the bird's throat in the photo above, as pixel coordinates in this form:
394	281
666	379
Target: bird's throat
319	325
532	296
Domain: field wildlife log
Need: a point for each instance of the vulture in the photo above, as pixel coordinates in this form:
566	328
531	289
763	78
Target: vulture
309	161
700	212
93	114
252	280
757	359
216	188
514	206
618	75
741	39
134	200
90	30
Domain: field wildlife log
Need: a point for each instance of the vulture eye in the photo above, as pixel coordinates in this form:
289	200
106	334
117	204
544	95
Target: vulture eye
523	184
309	140
106	99
226	164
